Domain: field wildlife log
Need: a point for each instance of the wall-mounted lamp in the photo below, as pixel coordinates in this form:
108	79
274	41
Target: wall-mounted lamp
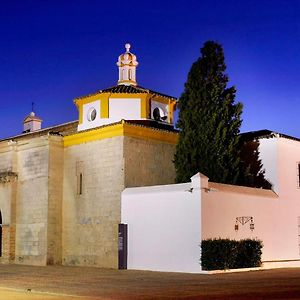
208	190
251	225
236	226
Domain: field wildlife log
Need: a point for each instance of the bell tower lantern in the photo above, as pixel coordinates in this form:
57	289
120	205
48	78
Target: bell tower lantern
32	123
127	64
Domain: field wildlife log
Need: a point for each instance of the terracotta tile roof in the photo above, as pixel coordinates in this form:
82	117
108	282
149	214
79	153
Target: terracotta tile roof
128	89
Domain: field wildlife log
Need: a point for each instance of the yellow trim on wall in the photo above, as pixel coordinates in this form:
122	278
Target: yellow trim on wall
80	112
145	108
160	99
91	98
104	111
122	129
93	135
150	134
103	104
145	104
172	107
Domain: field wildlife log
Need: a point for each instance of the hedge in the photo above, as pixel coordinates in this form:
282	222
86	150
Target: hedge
221	254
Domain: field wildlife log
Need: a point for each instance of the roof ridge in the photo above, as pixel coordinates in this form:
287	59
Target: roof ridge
49	128
268	134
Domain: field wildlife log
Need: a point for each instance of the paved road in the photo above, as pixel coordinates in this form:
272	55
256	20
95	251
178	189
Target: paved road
13	294
70	283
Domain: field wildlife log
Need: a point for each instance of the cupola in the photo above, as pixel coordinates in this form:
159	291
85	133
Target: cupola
125	101
127	64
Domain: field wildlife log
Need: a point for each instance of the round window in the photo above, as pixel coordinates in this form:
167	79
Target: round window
92	113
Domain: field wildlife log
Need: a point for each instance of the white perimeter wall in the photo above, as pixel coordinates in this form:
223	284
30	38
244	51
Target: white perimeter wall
164	231
276	215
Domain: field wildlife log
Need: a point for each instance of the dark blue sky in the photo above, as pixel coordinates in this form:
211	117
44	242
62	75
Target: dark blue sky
52	52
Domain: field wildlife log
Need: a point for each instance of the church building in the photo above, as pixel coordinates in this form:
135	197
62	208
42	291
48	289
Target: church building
60	187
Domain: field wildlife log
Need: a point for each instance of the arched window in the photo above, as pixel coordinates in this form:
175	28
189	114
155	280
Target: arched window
124	76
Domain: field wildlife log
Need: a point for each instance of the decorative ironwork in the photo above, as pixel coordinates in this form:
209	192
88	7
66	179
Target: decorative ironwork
243	220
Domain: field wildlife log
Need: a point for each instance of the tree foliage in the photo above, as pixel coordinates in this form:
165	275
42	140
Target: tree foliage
209	121
251	172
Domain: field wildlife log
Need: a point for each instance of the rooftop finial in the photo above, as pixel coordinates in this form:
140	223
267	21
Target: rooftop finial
127	64
127	47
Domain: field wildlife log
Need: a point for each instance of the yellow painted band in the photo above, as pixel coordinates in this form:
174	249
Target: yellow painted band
80	112
122	129
150	134
104	107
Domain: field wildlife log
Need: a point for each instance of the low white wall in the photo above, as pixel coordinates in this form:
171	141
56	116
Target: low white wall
164	223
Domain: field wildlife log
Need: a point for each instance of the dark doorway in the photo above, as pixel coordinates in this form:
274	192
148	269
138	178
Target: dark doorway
122	246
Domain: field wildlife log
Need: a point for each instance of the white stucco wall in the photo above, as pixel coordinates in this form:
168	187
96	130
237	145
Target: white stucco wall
119	108
224	203
88	124
127	109
164	231
275	215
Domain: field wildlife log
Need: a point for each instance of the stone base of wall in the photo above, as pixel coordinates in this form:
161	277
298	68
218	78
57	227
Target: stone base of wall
34	260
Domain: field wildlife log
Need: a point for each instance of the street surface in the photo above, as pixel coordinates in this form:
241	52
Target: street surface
76	283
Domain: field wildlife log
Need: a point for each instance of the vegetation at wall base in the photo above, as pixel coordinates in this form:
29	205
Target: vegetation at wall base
222	254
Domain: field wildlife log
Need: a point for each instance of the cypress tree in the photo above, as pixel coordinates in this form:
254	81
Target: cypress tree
209	121
251	168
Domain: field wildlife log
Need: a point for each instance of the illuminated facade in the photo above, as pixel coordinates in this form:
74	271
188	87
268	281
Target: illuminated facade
60	187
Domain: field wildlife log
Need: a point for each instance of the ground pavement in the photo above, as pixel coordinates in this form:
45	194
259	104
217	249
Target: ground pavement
76	283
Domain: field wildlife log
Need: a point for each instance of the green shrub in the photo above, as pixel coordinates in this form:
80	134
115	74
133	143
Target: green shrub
249	254
221	254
